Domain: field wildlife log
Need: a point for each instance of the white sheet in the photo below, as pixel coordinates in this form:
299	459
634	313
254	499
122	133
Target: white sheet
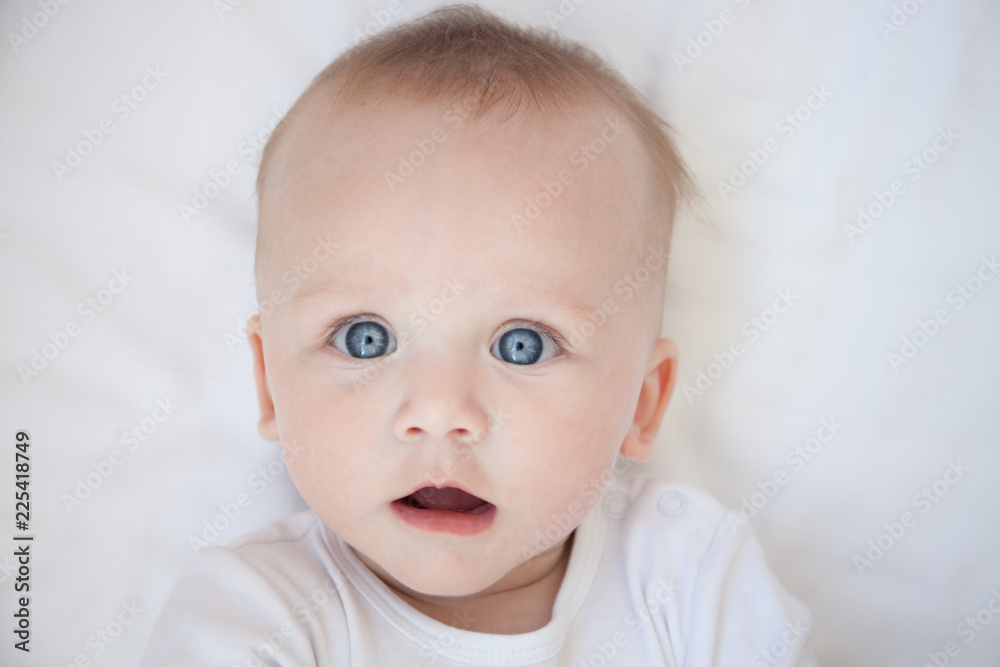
214	79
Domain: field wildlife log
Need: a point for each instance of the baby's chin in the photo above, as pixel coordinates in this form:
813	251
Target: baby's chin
443	578
441	575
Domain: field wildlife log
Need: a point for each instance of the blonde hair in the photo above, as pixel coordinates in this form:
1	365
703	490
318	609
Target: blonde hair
462	52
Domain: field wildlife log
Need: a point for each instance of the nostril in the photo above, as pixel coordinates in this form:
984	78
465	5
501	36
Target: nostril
459	434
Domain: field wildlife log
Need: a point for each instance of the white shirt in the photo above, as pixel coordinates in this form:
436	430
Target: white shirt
657	576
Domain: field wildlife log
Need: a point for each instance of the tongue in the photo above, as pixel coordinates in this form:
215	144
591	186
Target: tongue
448	498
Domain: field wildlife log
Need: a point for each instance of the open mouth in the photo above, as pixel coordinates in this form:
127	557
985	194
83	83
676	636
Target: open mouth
448	499
447	510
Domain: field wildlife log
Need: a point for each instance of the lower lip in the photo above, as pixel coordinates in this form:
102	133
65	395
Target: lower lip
444	521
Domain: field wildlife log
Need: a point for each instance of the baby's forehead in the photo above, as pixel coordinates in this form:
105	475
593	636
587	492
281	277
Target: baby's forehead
378	158
552	137
394	146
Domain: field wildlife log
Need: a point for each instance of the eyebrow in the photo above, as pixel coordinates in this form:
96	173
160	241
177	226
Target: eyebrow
311	291
538	296
306	294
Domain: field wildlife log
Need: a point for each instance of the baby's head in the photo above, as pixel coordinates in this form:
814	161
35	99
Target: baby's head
462	250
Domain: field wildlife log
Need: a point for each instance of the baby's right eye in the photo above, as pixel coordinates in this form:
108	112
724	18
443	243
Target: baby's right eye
364	339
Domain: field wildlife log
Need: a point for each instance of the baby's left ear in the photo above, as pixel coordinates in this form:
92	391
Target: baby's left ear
657	387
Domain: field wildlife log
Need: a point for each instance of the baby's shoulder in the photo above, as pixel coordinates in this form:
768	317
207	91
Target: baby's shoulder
684	511
696	572
290	553
669	497
667	527
273	588
292	532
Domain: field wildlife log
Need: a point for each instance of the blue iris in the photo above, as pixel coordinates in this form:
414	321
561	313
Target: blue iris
367	339
520	346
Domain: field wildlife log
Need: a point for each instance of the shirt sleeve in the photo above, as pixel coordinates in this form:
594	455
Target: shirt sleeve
739	613
224	611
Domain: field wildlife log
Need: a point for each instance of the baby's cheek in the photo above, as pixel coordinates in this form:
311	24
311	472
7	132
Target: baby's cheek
323	483
582	455
599	416
311	440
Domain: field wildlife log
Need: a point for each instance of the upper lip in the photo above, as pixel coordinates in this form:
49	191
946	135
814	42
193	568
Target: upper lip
447	485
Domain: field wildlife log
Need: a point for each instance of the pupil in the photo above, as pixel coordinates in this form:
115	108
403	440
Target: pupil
365	340
520	346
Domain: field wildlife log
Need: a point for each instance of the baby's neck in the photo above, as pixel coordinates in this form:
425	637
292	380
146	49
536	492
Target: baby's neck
507	611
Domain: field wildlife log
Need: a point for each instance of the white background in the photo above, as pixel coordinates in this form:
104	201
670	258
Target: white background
173	331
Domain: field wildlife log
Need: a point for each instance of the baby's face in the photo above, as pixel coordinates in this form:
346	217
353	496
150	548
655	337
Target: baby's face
441	345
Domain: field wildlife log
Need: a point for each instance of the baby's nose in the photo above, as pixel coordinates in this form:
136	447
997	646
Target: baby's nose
439	401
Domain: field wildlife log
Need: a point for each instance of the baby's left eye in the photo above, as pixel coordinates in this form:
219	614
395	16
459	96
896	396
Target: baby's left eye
524	346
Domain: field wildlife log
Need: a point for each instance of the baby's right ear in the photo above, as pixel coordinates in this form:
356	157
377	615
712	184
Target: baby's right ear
267	425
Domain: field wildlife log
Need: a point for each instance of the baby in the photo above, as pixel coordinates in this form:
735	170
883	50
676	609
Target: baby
462	375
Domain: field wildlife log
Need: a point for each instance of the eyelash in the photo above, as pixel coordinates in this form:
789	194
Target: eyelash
539	328
345	322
